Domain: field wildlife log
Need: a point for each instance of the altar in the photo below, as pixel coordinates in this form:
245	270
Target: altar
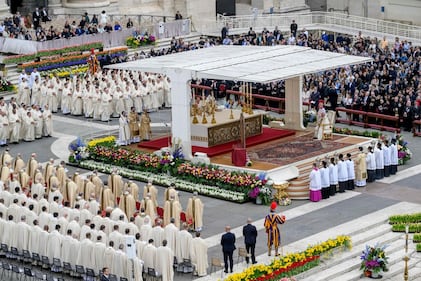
225	130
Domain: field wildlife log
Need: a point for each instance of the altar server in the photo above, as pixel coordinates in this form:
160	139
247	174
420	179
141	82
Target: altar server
351	172
333	176
393	157
325	181
378	154
342	174
386	157
315	184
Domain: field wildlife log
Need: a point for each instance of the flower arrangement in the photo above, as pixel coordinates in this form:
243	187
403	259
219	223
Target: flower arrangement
6	86
374	259
78	151
106	141
140	40
172	164
166	180
65	71
347	131
52	52
290	264
404	154
69	60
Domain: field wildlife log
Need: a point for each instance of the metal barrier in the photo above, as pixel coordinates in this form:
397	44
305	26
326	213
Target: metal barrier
321	19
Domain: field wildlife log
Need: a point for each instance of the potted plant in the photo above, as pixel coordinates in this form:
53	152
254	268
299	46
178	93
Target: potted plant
374	260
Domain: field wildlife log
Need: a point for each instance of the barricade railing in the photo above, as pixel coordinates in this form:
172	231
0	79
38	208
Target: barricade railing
372	120
321	19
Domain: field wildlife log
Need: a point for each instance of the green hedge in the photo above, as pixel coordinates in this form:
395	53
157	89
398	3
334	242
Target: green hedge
413	227
417	238
407	218
419	247
46	53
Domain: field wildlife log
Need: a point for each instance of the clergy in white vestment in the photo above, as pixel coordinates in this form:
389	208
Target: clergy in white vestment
342	174
150	189
150	208
88	188
18	163
5	172
28	127
124	129
66	100
140	246
24	92
371	165
146	230
43	241
99	251
333	176
116	237
94	207
138	269
115	182
394	158
171	234
325	181
14	126
109	255
133	188
164	262
4	128
120	262
85	255
194	211
386	157
157	233
70	246
6	157
171	192
315	184
75	228
77	104
379	157
38	119
184	241
23	233
199	255
54	244
360	168
140	219
34	242
172	210
47	121
127	204
149	255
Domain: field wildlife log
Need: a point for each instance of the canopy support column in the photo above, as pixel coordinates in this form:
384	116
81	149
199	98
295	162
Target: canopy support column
293	103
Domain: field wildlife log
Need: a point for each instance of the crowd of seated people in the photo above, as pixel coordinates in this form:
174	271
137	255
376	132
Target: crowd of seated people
20	27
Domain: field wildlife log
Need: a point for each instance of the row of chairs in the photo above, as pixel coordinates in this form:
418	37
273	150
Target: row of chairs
56	266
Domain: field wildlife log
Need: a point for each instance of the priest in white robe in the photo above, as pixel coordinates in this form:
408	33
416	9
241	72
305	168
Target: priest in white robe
194	211
164	262
183	245
199	255
171	234
149	255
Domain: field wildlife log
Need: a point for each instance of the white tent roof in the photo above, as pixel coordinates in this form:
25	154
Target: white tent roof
246	63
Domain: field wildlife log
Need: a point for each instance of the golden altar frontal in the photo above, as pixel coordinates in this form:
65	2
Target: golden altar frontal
225	129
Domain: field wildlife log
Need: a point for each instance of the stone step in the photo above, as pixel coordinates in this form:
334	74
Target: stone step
414	269
396	266
348	270
348	260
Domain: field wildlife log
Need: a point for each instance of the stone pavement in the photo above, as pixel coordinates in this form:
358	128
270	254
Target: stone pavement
306	221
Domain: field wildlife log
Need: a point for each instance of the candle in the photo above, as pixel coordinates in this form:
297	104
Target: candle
407	228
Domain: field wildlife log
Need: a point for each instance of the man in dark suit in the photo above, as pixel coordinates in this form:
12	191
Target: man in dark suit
36	18
228	248
250	235
105	276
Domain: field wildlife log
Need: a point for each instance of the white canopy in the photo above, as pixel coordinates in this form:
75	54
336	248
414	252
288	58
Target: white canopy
239	63
246	63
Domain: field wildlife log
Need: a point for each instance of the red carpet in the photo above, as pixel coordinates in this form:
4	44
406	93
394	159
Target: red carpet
268	135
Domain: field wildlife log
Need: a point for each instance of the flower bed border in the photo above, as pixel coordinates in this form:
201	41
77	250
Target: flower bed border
44	53
166	180
260	272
